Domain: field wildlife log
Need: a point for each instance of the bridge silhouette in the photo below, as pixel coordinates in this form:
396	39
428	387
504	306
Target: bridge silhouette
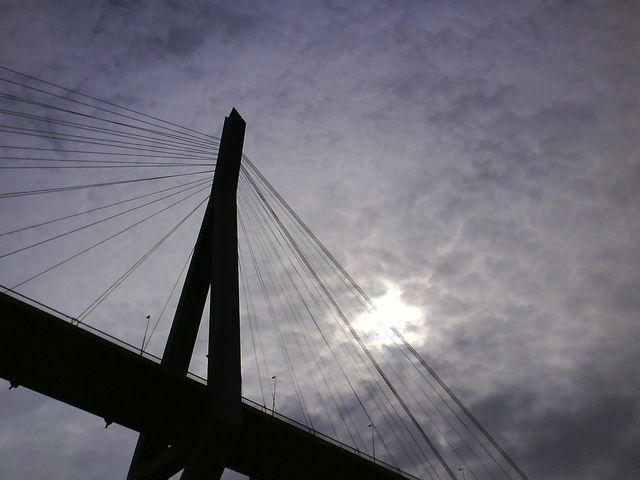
282	316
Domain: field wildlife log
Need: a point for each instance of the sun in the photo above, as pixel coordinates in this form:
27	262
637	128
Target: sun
388	311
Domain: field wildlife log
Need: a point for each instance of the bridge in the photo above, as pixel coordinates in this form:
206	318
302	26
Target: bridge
302	378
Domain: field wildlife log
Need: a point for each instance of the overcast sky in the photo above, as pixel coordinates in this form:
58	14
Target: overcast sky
480	158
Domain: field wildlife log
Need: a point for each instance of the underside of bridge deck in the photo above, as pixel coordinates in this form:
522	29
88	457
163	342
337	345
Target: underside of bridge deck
49	355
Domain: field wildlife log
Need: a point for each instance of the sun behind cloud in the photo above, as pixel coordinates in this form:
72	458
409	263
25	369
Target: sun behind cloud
389	310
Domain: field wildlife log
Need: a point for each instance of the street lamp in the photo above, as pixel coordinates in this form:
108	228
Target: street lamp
462	470
273	397
144	339
373	440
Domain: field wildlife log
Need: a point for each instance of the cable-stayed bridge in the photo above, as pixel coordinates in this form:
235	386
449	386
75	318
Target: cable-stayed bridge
153	276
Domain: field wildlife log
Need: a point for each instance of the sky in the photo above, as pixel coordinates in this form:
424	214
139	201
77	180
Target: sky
476	162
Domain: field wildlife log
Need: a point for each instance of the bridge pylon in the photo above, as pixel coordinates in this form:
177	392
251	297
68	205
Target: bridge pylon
214	268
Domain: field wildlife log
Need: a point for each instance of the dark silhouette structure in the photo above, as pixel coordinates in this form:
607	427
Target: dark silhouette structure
183	423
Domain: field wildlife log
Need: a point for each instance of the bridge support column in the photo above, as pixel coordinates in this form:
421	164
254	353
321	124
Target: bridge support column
224	381
214	263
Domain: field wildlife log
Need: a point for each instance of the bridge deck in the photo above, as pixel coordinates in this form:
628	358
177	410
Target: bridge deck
49	355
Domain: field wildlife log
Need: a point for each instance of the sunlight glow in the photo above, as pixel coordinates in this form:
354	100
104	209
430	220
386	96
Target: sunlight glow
390	311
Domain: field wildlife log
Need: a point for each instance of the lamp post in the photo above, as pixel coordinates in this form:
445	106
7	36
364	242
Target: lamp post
144	339
373	440
273	397
462	470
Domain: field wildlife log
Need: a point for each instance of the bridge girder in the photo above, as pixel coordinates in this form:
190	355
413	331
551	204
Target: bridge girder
46	354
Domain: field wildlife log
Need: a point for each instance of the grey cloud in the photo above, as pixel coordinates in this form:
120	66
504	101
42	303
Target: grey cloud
584	435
